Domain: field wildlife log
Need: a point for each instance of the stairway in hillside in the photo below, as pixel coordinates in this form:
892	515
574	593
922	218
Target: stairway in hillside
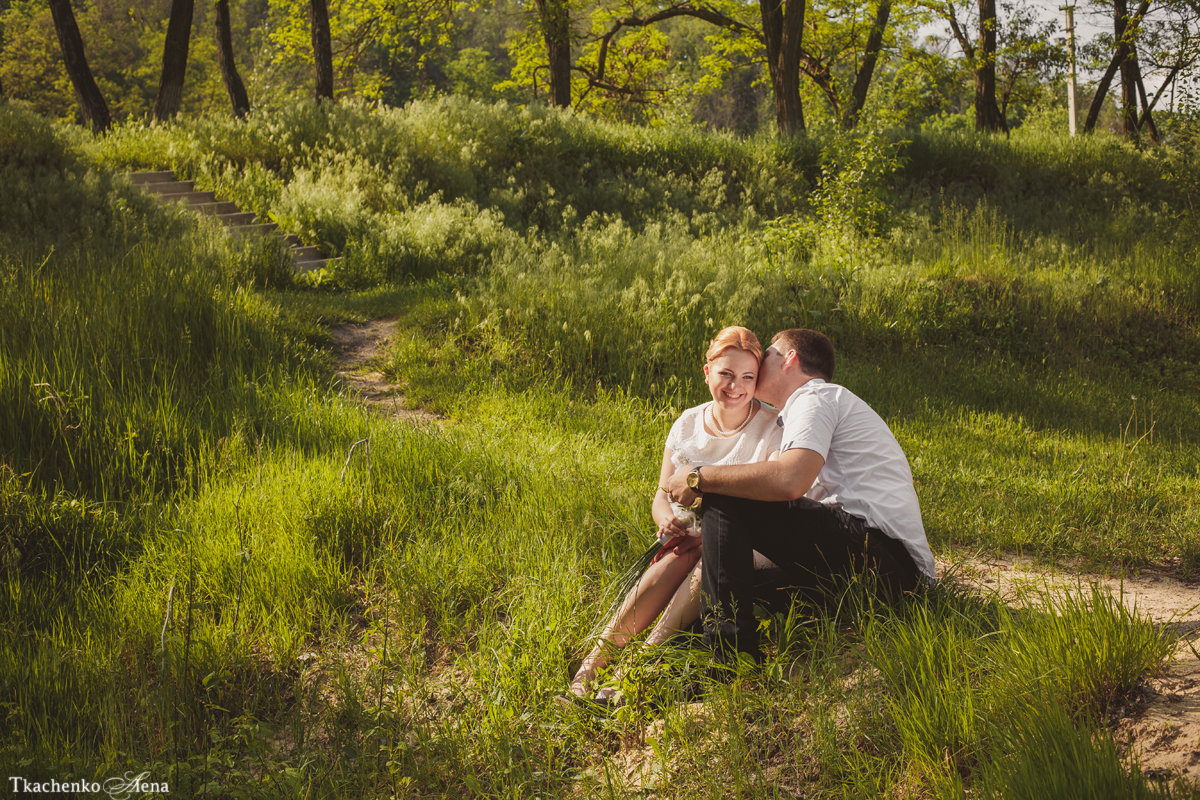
164	185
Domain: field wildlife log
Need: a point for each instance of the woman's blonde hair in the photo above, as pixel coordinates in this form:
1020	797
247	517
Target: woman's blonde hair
735	337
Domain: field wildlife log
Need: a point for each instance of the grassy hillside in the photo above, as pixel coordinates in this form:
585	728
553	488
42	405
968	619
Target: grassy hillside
220	570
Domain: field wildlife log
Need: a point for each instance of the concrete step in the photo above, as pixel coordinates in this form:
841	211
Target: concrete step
306	253
163	184
237	218
247	230
170	187
315	264
217	208
160	176
191	198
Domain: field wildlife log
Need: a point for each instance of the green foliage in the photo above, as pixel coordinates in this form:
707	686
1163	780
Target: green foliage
52	198
370	40
605	256
124	51
616	306
220	570
1051	757
110	341
854	192
473	74
961	680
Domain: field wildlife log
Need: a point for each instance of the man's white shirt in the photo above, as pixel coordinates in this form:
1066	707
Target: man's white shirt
865	471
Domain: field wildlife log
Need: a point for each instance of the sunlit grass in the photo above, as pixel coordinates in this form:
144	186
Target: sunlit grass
219	569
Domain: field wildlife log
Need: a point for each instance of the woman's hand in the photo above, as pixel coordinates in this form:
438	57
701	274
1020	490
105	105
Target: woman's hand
671	528
682	544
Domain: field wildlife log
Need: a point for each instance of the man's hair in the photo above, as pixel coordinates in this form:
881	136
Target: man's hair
735	337
814	349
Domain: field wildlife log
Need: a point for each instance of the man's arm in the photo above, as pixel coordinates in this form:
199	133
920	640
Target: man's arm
786	478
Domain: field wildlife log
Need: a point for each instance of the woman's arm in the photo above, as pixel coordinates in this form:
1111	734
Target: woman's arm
660	509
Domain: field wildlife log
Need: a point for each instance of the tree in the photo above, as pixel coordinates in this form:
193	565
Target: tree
1029	59
174	60
836	45
987	113
1128	66
836	56
1125	30
1170	45
31	61
377	49
322	43
229	73
632	82
554	20
782	34
928	82
1170	49
91	102
980	54
779	35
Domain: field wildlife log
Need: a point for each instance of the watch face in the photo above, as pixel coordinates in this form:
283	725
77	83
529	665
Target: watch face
693	479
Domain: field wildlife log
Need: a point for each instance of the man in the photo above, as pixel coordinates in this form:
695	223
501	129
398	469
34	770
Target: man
839	500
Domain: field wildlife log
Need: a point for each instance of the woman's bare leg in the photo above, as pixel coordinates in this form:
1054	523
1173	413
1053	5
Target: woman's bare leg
682	609
645	601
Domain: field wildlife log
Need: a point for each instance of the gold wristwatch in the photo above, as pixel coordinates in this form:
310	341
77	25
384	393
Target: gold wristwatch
693	480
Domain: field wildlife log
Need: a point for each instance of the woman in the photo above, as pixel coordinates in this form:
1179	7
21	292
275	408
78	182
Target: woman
732	428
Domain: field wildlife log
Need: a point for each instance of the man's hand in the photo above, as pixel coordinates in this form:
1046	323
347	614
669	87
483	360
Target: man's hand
678	490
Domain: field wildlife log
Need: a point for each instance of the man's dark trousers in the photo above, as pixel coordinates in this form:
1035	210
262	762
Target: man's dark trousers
817	546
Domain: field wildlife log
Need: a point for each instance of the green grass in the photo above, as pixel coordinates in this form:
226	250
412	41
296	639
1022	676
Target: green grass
219	569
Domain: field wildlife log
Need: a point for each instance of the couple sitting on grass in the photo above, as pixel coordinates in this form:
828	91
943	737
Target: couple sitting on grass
814	488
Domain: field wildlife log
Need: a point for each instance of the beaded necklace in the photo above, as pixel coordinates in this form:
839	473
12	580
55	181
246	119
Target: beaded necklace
727	433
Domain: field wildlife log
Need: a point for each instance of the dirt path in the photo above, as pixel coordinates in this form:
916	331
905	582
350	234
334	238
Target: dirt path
357	348
1163	727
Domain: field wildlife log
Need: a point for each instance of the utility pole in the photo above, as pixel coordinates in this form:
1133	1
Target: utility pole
1070	11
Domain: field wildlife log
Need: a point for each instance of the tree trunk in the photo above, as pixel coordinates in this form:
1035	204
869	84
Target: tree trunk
1124	36
783	29
91	102
1118	58
233	81
322	48
987	113
174	60
1146	120
1101	92
555	20
862	81
1162	87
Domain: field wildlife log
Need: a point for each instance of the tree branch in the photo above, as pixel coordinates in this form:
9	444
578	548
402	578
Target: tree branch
709	15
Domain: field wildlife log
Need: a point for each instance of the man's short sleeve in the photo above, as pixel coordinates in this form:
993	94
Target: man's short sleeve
808	422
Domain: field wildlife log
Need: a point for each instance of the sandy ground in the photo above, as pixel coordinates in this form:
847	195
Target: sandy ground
1163	726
